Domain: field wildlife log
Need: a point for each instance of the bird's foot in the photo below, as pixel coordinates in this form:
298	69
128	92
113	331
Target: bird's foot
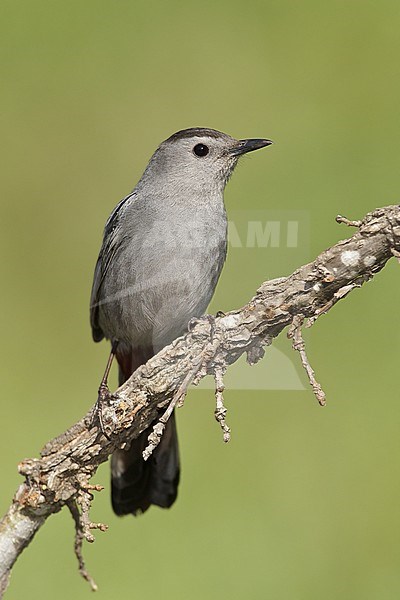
210	319
195	321
103	397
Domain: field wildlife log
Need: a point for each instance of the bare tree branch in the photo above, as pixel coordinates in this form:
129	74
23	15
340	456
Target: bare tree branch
61	475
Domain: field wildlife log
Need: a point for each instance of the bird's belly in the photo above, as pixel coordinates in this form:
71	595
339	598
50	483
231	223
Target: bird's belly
152	301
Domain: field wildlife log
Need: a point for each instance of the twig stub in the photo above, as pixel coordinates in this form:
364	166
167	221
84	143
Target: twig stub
348	222
298	344
220	409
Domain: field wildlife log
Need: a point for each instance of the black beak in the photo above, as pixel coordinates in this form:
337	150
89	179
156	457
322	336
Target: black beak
244	146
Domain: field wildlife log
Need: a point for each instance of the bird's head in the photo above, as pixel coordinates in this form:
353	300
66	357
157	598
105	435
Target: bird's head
200	157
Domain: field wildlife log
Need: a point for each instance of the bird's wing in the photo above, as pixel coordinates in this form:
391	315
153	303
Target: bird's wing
106	255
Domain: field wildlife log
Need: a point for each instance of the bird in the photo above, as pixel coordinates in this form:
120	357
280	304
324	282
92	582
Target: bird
163	249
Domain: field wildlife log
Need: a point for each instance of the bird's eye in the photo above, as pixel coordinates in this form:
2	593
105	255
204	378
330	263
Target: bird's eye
201	150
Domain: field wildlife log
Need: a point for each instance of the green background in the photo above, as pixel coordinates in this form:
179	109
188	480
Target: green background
304	502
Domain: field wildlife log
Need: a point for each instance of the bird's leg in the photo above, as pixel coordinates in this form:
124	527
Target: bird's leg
104	391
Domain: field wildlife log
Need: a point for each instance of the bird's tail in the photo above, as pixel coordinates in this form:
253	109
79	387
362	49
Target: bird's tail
135	483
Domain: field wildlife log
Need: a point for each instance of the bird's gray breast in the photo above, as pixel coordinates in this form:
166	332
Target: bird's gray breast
167	260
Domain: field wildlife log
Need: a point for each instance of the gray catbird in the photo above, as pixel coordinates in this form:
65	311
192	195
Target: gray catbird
163	249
